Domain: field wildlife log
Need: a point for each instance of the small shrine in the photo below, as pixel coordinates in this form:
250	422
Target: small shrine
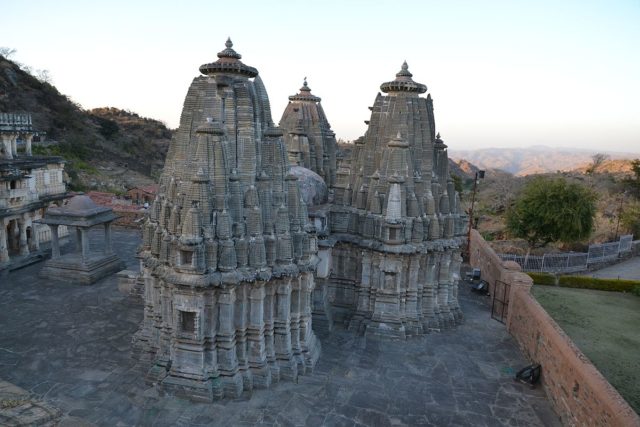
84	265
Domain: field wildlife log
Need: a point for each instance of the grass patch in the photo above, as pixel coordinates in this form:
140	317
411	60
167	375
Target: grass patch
604	325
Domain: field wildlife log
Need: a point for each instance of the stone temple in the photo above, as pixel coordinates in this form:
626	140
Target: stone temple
230	258
228	254
395	229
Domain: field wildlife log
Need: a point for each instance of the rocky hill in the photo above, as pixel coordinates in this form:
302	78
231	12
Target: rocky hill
106	148
531	160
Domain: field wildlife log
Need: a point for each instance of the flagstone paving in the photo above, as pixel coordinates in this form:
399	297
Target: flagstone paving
69	346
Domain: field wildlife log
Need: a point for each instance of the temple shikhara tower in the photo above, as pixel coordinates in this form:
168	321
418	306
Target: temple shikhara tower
395	226
228	254
310	141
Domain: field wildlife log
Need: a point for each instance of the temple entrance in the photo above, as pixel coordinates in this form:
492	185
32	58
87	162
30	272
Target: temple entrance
13	237
30	237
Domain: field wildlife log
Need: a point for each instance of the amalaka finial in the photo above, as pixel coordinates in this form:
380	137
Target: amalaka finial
405	66
229	43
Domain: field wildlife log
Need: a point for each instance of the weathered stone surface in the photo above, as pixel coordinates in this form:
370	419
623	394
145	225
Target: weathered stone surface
313	189
228	254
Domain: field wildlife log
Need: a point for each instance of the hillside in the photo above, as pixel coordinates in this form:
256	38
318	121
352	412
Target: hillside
106	148
531	160
499	190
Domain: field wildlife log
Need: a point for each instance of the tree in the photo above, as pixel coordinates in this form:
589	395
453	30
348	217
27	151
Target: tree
597	160
550	210
7	52
630	219
633	183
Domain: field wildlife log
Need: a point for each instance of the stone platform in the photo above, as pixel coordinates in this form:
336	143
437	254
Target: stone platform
70	346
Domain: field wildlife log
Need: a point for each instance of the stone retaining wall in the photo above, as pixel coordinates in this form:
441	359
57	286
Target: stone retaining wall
579	393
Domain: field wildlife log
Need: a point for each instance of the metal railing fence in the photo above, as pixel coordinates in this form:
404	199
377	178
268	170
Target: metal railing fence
571	262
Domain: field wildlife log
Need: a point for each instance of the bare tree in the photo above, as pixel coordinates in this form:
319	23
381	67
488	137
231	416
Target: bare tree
596	161
43	75
7	52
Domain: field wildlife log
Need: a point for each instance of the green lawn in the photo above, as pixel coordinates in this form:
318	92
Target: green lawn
606	327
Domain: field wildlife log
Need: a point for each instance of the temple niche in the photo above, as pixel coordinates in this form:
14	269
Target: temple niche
393	252
228	254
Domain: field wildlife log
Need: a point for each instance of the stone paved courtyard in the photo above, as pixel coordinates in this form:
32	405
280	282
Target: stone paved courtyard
69	345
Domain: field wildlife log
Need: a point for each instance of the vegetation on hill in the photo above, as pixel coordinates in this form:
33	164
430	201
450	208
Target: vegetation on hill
617	212
106	148
552	210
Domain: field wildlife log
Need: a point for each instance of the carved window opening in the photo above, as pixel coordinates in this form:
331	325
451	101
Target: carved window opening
187	322
393	234
13	184
186	258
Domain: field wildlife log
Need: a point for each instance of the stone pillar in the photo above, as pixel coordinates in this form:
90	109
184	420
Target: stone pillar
55	244
4	252
24	247
310	345
6	143
255	337
28	139
226	344
241	317
107	238
34	245
282	331
296	347
269	311
14	144
84	237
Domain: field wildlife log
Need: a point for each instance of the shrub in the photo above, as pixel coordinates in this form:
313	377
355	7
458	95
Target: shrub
543	279
586	282
636	290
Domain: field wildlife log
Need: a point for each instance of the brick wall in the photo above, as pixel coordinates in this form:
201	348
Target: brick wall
579	393
492	267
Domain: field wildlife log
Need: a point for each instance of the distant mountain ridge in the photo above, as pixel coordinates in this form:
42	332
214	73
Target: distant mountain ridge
532	160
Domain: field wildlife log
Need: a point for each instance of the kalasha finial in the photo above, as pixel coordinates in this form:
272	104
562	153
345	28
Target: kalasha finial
438	135
305	86
404	71
229	43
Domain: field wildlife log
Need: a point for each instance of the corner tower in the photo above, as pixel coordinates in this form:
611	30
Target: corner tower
228	255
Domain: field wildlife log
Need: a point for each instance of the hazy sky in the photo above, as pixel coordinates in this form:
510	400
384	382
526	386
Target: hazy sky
501	73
